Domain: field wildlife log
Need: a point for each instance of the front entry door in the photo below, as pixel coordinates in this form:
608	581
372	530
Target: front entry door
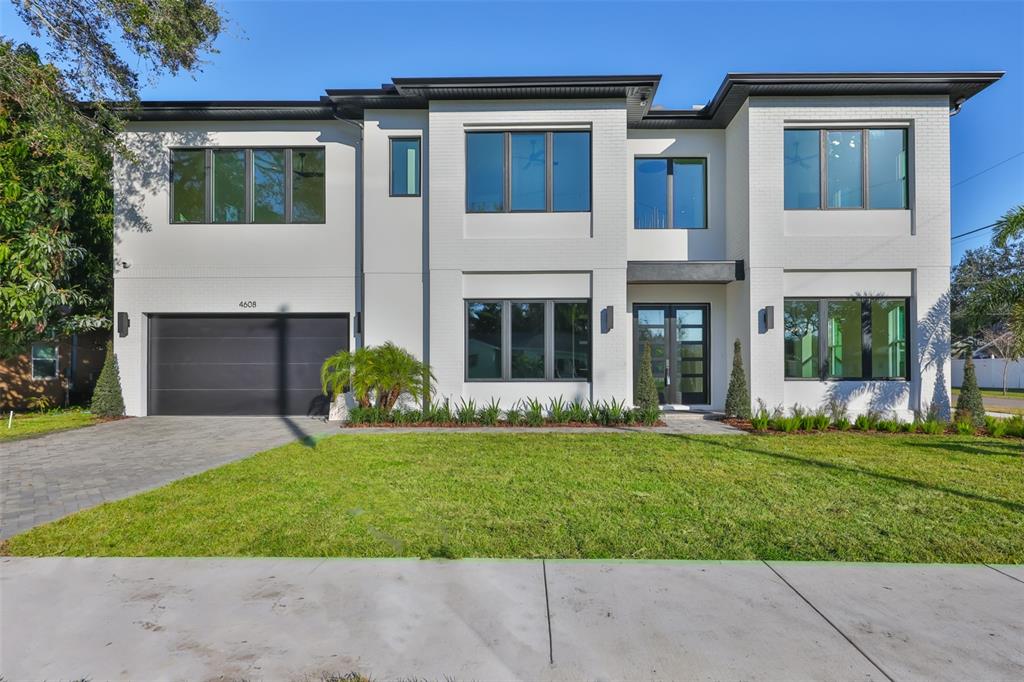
678	337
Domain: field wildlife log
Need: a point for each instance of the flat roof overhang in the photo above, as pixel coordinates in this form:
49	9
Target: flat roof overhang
684	271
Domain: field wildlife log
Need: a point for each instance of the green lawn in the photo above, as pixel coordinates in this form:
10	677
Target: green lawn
38	423
1011	393
851	497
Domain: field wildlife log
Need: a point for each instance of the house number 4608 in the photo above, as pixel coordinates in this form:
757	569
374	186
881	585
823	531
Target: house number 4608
247	304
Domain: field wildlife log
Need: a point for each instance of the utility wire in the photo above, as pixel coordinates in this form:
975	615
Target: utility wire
977	229
971	177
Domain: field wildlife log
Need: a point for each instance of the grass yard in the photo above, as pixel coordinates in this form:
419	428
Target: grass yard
830	496
38	423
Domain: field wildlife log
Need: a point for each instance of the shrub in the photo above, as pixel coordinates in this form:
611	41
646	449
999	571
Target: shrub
820	421
862	423
790	424
649	415
514	415
911	427
969	404
838	410
370	416
438	412
558	411
465	413
645	393
107	400
995	426
890	425
578	412
737	398
490	413
534	412
405	417
632	416
377	376
596	412
1015	426
964	426
615	412
843	424
761	418
932	426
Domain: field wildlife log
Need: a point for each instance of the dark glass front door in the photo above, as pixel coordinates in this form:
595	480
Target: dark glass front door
678	337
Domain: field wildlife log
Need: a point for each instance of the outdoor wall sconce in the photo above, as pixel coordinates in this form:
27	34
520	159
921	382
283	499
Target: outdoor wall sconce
122	324
767	318
607	319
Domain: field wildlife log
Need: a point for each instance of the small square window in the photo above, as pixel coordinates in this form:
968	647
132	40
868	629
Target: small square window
44	360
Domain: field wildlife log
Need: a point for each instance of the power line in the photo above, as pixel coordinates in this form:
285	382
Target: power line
971	177
977	229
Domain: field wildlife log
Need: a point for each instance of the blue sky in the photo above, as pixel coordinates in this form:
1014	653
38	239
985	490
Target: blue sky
293	50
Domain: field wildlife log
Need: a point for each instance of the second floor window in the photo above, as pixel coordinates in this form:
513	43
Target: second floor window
248	185
528	171
855	168
405	166
670	193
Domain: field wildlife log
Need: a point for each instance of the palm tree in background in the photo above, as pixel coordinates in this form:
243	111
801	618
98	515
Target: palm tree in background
1009	227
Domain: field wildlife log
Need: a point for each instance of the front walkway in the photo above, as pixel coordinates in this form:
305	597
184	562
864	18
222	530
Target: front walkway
494	620
45	478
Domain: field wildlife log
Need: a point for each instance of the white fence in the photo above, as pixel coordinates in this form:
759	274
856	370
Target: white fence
990	373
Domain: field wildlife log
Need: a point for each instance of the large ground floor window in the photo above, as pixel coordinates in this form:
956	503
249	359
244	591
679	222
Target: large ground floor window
848	338
528	340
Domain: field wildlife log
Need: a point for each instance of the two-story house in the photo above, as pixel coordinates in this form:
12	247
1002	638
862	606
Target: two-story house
528	237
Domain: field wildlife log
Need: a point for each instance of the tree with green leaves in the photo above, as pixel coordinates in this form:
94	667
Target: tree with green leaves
737	398
969	404
107	400
376	375
645	395
55	152
1010	227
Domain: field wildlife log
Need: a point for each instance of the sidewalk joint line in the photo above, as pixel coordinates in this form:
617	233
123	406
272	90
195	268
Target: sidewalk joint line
1011	577
547	610
826	619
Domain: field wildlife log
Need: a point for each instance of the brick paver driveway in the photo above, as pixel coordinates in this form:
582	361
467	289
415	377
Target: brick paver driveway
45	478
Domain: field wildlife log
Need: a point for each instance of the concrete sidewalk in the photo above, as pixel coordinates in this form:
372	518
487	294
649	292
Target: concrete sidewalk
270	619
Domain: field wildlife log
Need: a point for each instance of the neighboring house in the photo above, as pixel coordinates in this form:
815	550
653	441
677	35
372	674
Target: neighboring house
526	237
51	372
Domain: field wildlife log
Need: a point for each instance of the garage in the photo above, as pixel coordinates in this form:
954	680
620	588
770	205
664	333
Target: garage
241	364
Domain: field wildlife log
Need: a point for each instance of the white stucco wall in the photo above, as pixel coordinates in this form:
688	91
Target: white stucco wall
592	243
173	268
916	242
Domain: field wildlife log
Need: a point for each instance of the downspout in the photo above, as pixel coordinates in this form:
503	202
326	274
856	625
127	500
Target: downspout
359	322
957	106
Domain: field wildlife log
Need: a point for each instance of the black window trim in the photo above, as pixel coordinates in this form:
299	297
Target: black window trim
506	340
669	172
418	139
549	146
208	169
866	359
864	171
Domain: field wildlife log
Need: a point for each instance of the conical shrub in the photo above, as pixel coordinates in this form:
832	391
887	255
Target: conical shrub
107	400
645	395
737	399
969	404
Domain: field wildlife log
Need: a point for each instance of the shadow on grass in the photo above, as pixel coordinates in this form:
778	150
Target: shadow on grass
306	439
999	449
832	466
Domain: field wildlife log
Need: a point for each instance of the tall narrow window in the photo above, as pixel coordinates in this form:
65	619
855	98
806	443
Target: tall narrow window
845	340
572	340
485	172
570	184
801	321
887	168
802	168
188	185
308	189
688	193
844	149
888	338
228	185
268	186
650	187
405	167
527	350
529	171
483	340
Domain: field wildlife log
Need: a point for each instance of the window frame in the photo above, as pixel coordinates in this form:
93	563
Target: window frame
418	139
866	336
56	360
506	340
208	199
549	146
865	175
670	162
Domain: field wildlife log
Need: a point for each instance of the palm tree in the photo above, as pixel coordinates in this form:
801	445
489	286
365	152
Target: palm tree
1009	227
376	375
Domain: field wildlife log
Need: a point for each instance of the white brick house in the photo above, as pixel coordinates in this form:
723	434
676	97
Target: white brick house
529	236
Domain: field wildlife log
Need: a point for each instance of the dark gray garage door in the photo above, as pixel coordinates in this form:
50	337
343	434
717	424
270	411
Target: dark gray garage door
240	364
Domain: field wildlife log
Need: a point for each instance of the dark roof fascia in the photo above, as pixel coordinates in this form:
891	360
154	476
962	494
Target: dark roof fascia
228	110
737	87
